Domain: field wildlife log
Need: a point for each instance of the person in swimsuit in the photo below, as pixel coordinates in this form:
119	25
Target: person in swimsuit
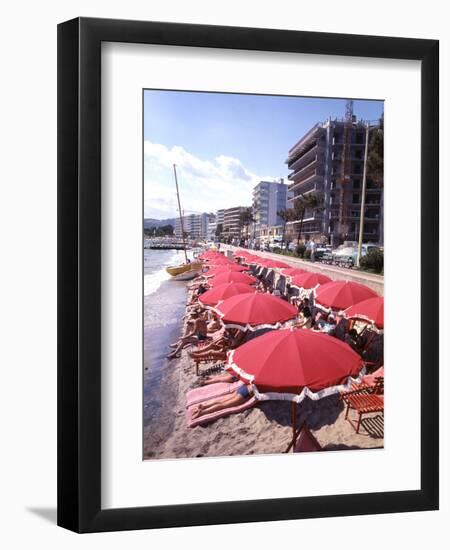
223	377
238	397
198	333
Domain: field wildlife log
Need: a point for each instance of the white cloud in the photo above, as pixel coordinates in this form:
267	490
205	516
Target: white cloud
205	185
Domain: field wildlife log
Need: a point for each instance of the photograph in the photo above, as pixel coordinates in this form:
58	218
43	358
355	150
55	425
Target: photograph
263	274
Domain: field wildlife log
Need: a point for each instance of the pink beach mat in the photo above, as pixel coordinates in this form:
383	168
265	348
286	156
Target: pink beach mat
211	391
192	422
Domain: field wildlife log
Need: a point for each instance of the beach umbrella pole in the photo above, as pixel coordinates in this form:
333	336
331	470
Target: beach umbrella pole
294	420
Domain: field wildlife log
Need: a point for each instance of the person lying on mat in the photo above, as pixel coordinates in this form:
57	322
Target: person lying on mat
216	378
198	333
238	397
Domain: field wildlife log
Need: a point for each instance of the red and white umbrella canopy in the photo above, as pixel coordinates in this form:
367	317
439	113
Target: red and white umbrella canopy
273	264
232	277
293	271
371	311
241	253
209	254
255	311
309	280
342	294
222	292
289	364
224	269
253	259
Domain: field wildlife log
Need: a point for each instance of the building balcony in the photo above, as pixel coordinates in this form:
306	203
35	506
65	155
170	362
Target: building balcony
304	143
306	183
305	170
306	158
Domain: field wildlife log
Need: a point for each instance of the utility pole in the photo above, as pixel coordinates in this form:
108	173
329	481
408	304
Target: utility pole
363	198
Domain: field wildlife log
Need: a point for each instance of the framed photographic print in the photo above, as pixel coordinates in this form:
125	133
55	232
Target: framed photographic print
236	206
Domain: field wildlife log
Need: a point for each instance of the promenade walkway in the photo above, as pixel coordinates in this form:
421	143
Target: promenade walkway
373	281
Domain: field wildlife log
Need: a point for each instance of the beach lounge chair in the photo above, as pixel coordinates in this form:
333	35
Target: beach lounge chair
208	357
364	400
304	441
371	383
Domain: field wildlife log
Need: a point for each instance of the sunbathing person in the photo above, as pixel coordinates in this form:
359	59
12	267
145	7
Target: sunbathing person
238	397
216	378
217	340
198	333
214	325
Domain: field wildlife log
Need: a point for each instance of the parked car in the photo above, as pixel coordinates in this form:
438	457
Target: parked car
346	254
322	250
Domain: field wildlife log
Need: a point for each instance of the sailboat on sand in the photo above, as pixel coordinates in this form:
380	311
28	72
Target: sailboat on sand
190	269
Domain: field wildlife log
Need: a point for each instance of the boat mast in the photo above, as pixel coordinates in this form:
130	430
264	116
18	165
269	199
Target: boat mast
179	210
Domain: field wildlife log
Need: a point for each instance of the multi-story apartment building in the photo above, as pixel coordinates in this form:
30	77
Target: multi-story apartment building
211	228
269	197
219	216
195	225
316	164
231	222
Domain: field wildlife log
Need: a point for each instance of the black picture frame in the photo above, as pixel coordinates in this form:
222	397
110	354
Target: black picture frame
79	274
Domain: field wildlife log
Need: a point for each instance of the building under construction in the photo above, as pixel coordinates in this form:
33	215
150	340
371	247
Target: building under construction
329	161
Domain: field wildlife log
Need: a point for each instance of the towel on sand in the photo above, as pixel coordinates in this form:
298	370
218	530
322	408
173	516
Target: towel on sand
211	391
192	422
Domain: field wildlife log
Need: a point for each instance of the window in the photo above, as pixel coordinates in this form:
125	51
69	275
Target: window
357	168
355	198
359	138
359	153
356	184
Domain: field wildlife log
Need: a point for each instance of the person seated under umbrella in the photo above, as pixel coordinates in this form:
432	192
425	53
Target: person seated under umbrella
238	397
198	333
328	325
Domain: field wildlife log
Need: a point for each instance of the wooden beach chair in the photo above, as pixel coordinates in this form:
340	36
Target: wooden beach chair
364	399
208	357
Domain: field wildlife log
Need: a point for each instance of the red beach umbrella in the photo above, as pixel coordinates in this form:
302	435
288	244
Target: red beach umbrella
309	280
224	269
224	291
371	310
220	261
294	364
288	362
232	277
260	260
253	259
274	264
255	311
241	253
210	254
292	271
342	294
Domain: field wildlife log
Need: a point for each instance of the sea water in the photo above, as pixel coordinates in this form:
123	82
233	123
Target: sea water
164	307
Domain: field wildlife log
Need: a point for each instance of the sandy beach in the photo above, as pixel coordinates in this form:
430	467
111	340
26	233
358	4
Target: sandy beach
264	429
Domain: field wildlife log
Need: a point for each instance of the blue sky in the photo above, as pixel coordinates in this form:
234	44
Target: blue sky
223	144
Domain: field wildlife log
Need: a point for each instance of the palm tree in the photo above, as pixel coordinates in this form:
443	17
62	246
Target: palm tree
286	214
246	218
313	201
375	164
